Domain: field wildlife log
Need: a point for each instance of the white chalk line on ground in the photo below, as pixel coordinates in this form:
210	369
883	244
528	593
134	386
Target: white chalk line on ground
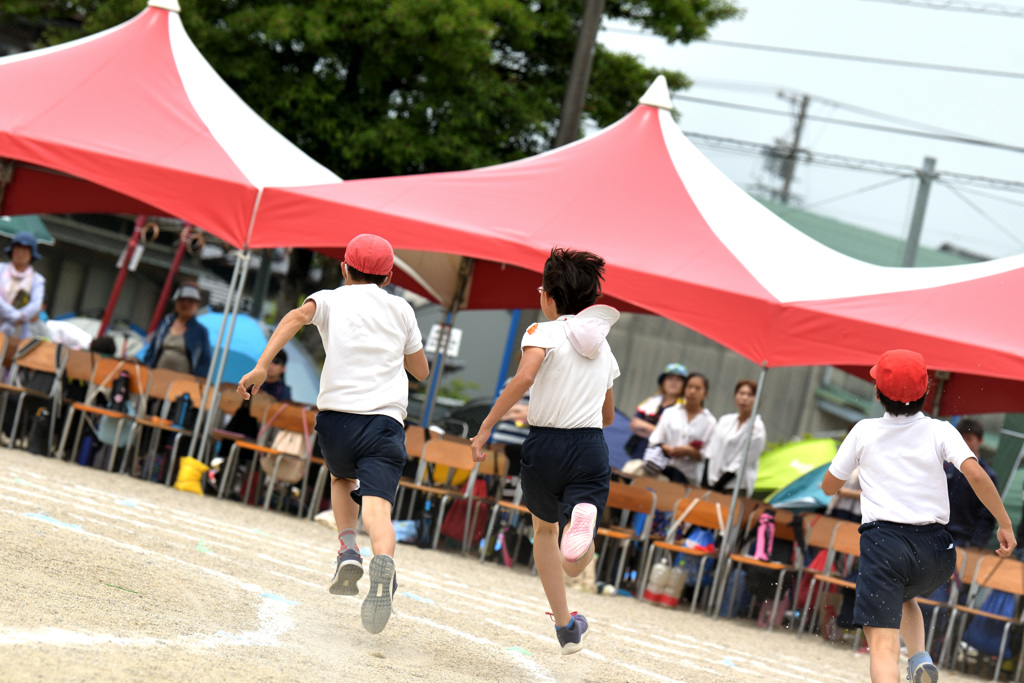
272	614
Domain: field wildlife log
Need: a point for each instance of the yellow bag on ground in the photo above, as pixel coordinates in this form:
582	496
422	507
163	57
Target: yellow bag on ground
190	474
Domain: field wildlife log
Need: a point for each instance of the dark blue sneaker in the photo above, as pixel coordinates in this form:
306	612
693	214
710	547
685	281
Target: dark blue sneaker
383	585
347	573
570	637
921	669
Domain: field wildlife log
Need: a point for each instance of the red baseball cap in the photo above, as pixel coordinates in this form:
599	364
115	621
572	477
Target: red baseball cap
370	254
901	375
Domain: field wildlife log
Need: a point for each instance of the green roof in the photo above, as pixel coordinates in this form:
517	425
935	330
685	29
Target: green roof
860	243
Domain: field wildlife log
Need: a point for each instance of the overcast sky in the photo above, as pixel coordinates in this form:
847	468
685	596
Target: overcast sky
970	105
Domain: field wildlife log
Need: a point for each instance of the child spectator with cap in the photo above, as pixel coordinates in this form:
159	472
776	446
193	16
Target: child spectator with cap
565	470
371	339
905	550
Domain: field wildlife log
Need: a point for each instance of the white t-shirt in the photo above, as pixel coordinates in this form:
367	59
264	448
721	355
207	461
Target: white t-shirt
675	428
569	389
900	461
367	334
724	452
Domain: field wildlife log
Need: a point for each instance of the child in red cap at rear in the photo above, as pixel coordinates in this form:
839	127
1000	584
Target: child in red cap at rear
905	550
371	339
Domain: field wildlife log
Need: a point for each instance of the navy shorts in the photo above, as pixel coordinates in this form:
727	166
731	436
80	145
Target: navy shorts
562	468
899	562
370	448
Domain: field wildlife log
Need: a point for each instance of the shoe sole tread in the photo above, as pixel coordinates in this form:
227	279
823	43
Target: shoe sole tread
377	606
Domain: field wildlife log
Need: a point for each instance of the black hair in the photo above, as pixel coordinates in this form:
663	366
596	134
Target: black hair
573	279
707	386
971	426
281	357
104	345
897	408
360	276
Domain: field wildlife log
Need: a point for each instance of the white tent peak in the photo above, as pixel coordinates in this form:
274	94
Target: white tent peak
169	5
658	95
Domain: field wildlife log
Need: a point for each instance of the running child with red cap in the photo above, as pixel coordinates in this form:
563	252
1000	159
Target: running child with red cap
565	471
371	339
905	550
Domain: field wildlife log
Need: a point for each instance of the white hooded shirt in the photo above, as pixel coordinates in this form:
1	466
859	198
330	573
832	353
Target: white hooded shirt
578	369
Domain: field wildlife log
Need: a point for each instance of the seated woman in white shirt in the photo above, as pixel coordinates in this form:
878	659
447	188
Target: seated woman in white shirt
677	442
725	450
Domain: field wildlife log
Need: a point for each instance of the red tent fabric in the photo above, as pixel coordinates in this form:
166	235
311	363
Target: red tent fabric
681	241
135	120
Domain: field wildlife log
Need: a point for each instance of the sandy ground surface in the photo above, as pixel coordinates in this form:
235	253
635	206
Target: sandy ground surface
105	577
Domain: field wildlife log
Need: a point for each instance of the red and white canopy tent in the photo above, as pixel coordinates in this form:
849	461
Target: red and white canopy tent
683	242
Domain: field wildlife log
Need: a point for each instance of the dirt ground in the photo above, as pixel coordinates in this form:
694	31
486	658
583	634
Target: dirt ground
110	578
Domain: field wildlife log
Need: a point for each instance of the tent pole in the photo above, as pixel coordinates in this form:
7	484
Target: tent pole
122	274
6	175
465	271
720	580
214	357
513	327
165	293
246	258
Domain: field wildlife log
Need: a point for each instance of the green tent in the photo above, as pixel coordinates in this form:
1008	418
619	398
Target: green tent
782	466
12	225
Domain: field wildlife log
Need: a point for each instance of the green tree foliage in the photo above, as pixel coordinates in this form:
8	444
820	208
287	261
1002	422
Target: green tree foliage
386	87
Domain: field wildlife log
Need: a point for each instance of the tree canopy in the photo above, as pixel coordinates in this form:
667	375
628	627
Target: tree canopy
387	87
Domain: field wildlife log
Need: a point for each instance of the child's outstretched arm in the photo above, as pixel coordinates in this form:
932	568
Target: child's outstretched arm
291	323
533	356
989	496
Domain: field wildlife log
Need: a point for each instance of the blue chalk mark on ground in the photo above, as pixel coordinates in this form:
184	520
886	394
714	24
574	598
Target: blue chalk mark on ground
261	533
225	634
203	548
50	520
728	662
410	594
128	503
278	597
366	552
519	650
25	482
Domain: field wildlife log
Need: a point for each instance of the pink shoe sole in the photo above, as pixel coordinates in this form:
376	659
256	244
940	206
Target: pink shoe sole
579	534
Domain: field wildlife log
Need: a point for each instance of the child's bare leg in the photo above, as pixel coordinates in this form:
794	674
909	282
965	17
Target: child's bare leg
884	650
346	511
912	627
549	567
377	520
576	568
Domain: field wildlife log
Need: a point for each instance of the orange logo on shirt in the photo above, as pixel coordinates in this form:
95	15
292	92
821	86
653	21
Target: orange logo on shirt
532	328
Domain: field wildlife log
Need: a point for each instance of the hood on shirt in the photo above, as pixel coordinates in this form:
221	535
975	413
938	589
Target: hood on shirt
589	328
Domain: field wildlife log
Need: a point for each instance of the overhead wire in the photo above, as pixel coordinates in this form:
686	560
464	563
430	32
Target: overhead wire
962	6
981	212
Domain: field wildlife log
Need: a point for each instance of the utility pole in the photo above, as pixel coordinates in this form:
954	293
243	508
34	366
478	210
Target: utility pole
925	176
789	166
579	76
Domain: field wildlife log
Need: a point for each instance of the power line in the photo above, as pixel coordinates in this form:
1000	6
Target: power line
851	163
855	124
962	6
981	212
837	55
995	197
859	191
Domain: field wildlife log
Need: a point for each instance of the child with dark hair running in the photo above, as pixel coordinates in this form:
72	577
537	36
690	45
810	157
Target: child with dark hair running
569	369
371	339
905	550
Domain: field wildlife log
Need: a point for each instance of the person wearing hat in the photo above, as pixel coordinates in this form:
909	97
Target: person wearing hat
670	393
371	340
180	342
905	549
21	287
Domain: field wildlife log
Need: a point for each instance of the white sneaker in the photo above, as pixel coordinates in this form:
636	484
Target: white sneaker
579	534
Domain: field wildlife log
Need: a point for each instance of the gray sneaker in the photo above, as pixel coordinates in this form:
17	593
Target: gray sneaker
347	573
383	585
921	669
570	638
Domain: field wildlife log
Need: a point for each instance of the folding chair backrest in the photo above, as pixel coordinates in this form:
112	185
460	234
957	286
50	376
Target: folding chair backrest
415	439
1001	573
179	387
846	539
783	524
972	559
496	464
162	379
7	348
290	416
632	498
667	492
41	356
107	370
818	530
80	365
454	454
702	513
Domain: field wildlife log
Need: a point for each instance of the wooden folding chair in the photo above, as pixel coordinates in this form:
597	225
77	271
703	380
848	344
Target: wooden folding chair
288	417
416	438
628	501
105	373
845	544
37	374
1004	574
226	401
171	386
783	532
964	558
691	512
